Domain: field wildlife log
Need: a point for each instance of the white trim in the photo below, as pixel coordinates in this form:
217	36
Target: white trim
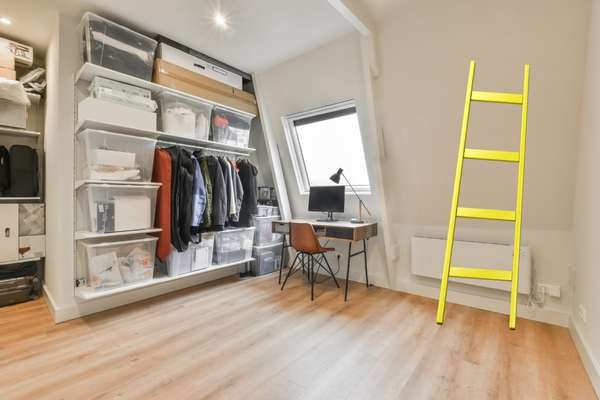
295	149
590	363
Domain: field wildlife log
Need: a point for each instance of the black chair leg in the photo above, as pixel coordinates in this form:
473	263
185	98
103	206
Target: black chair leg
366	270
291	271
311	268
331	271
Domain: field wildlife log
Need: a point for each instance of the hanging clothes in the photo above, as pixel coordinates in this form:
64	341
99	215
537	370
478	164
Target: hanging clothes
249	205
218	209
182	181
198	198
161	173
208	185
238	191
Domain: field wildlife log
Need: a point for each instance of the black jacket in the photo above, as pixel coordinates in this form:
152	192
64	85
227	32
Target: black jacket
182	182
249	207
218	208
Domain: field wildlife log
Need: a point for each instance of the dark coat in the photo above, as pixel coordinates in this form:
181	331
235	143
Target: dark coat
247	174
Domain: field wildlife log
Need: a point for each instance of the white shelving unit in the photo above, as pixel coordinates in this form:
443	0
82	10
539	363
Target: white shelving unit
9	199
87	293
86	74
5	130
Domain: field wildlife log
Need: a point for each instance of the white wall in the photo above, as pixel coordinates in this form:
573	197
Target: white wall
587	215
329	74
424	48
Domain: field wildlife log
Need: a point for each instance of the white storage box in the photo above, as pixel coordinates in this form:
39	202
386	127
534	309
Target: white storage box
111	156
114	263
114	46
264	234
184	116
117	92
106	208
116	114
232	246
32	247
267	211
267	259
202	252
198	65
179	263
12	114
230	127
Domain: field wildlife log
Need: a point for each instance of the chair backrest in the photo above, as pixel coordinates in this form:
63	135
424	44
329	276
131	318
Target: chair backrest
303	238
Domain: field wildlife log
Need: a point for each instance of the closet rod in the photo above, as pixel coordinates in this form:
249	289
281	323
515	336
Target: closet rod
202	148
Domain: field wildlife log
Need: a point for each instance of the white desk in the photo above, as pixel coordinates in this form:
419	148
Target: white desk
337	230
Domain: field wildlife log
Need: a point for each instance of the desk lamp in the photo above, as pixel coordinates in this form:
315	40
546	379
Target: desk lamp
336	178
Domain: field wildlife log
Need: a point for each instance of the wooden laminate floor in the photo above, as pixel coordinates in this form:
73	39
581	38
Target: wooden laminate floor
244	339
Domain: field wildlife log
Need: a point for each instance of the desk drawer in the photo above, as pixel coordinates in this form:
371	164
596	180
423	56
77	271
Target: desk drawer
281	227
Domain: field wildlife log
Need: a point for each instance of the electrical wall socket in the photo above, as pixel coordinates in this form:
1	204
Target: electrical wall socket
583	313
550	290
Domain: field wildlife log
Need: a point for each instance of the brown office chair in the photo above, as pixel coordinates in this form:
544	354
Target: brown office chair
309	250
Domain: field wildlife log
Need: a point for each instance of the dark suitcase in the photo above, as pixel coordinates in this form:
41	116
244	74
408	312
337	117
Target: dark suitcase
4	170
19	283
23	171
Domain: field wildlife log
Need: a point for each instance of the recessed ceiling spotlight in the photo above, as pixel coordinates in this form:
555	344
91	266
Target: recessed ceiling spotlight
5	20
220	20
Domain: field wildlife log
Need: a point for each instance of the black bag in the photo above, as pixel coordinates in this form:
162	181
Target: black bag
19	283
4	170
23	171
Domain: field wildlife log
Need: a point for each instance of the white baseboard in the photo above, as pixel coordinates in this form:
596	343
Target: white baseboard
548	314
590	363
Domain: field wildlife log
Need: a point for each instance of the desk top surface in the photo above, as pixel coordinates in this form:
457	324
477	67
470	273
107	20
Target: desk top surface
340	223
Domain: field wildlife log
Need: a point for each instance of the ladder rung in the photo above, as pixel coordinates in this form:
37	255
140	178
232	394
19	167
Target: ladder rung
497	97
480	273
482	213
492	155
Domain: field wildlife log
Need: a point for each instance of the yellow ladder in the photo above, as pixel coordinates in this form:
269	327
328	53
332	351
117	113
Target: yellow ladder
501	215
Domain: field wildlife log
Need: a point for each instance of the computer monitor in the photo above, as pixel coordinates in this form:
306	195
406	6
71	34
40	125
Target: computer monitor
327	199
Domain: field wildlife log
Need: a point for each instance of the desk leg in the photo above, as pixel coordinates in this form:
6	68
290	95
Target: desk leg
348	270
366	270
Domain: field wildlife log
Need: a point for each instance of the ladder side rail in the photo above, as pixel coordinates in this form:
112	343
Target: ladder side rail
455	196
519	208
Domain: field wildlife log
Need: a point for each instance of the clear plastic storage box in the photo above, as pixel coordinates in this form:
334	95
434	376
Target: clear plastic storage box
267	211
230	127
105	208
264	234
115	263
268	259
118	92
232	246
111	156
196	257
184	116
117	47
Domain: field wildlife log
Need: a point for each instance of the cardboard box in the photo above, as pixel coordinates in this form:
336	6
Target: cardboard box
12	114
8	73
114	113
181	79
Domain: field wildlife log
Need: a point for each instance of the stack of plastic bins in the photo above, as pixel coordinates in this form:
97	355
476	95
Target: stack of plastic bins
230	127
111	156
233	246
184	116
107	208
117	47
267	211
264	232
113	263
267	259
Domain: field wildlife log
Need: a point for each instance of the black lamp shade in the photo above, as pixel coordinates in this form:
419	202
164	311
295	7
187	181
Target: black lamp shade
336	177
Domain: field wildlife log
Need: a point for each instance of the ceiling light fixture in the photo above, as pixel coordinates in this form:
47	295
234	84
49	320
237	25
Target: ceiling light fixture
220	20
5	20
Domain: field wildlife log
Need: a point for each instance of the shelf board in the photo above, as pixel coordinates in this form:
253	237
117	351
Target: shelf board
87	293
104	126
19	199
21	261
83	182
5	130
88	71
81	235
204	143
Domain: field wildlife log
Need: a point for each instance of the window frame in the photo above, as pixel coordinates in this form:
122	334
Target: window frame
295	148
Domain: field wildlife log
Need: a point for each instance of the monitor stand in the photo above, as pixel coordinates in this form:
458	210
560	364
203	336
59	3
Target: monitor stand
329	218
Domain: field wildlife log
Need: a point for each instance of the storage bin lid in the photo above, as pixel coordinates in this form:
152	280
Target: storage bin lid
90	16
267	246
89	131
195	101
119	242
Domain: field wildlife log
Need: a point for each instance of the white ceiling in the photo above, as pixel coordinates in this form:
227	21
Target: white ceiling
261	33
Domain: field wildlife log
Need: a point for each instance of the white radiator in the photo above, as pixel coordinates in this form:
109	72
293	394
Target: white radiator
427	258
